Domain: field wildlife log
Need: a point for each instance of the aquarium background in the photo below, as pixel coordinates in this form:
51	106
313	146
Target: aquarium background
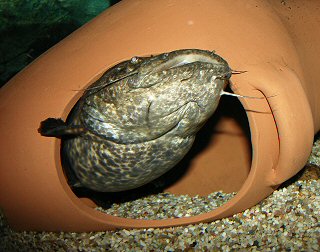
30	27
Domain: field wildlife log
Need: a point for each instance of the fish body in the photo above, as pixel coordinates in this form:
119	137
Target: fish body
140	118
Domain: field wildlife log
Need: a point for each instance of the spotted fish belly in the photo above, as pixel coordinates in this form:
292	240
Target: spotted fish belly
109	167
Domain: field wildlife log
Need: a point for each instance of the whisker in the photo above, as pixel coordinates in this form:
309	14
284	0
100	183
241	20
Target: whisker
107	84
241	96
238	71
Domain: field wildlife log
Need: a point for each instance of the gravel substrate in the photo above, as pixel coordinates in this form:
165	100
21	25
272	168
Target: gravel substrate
288	220
167	205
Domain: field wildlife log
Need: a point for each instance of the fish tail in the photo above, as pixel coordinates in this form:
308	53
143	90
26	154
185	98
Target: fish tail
53	127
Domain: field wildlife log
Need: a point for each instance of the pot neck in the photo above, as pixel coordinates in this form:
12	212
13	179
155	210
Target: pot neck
301	19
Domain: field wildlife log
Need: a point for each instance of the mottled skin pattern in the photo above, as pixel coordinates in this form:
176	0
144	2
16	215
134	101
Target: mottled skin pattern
140	118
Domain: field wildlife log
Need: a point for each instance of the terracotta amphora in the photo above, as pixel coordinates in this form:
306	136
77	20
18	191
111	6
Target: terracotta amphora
275	42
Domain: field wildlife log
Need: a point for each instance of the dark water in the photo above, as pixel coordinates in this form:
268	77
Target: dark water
29	28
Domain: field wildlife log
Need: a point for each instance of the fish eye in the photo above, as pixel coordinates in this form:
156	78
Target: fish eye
134	60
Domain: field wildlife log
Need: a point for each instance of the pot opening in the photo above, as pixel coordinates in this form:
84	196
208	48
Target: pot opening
207	177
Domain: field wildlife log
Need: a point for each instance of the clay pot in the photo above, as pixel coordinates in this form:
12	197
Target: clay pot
267	39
